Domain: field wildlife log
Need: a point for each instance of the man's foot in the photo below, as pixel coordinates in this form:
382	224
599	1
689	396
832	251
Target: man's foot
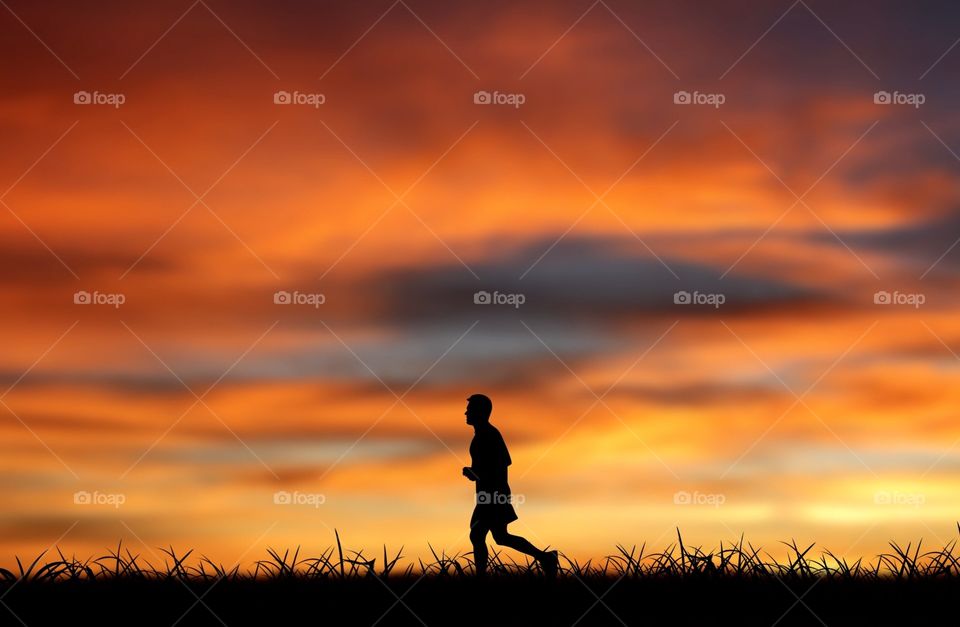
549	563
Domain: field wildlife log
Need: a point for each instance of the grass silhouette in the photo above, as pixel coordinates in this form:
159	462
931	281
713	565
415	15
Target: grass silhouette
679	584
739	559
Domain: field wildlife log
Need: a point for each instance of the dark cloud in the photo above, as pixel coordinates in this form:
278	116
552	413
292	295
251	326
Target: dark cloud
581	299
26	263
699	394
591	280
917	245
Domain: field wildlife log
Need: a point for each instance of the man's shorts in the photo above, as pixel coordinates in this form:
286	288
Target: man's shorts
493	509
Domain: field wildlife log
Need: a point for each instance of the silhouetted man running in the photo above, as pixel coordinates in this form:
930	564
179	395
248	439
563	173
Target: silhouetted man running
494	507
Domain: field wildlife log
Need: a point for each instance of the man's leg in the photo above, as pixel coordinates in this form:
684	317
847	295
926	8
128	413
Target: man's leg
517	543
548	559
478	538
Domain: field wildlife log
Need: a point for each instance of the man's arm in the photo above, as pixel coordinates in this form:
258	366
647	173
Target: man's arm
469	473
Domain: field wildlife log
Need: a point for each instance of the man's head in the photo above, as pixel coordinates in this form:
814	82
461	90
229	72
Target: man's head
478	411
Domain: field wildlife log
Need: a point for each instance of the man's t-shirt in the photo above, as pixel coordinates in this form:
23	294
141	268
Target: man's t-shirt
489	459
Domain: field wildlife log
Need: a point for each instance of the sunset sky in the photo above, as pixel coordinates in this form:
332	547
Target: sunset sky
804	405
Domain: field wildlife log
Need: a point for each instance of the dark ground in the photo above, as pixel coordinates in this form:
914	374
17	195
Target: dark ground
500	601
